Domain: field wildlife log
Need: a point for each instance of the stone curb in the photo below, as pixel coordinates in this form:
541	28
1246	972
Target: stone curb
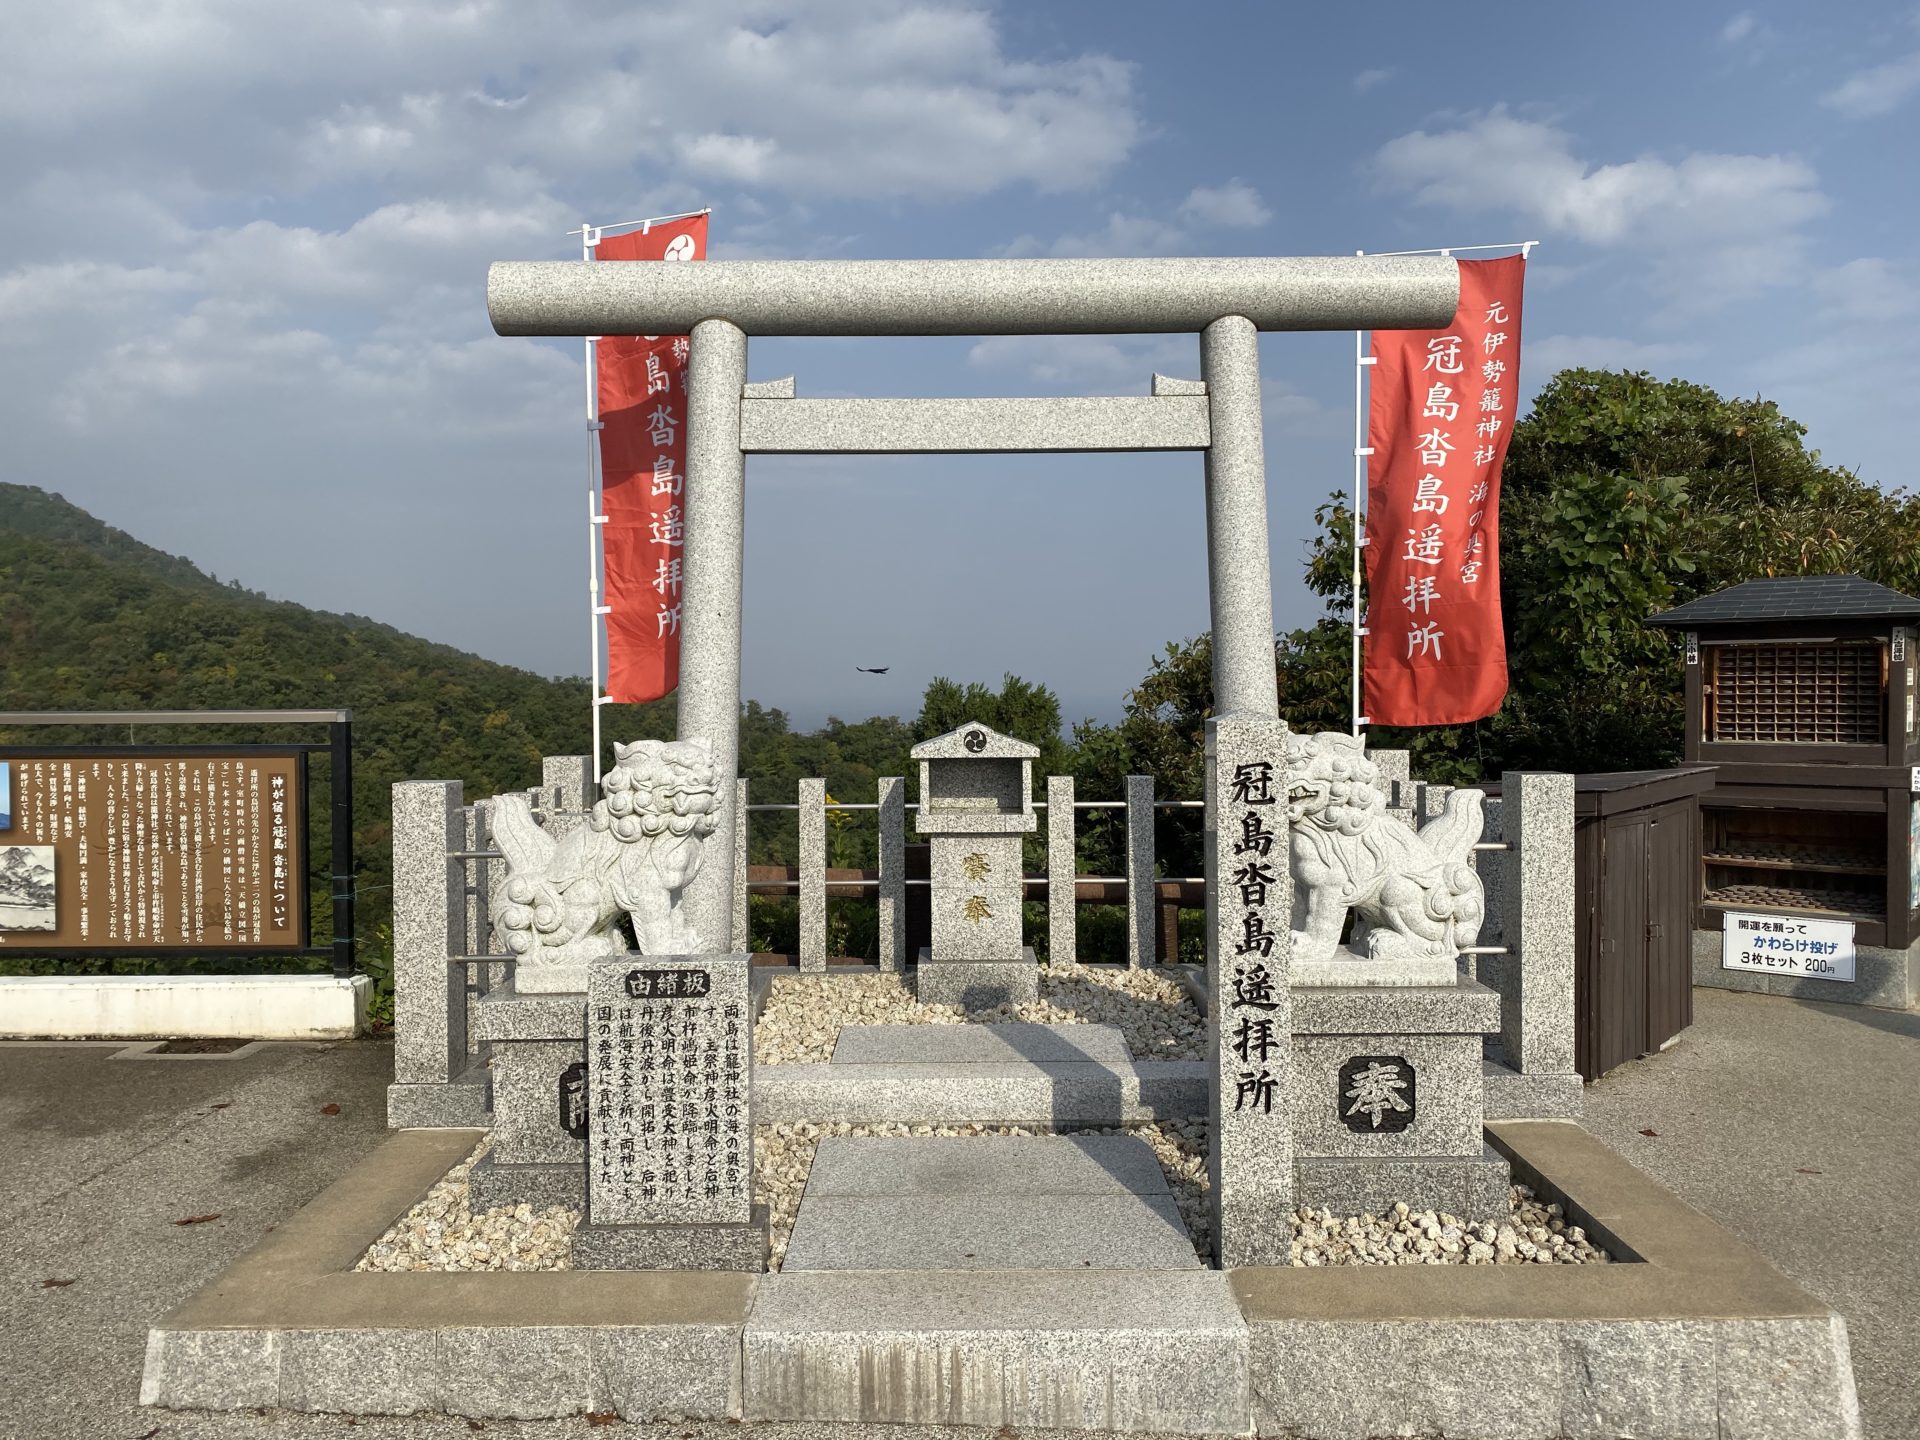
1693	1334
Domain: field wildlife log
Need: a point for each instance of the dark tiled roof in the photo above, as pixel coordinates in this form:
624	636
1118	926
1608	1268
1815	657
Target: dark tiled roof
1793	597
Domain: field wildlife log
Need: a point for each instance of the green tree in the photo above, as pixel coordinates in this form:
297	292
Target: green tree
1622	496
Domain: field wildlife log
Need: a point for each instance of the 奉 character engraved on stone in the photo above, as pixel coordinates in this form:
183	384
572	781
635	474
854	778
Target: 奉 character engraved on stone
1376	1090
976	909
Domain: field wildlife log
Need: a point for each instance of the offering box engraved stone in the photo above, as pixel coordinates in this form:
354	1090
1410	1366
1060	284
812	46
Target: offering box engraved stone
1378	1092
670	1070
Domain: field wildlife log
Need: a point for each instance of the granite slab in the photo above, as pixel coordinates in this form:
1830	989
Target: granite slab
1114	1350
980	1044
990	1232
947	1166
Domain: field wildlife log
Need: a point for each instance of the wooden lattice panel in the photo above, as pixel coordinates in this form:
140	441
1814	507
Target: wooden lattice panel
1799	694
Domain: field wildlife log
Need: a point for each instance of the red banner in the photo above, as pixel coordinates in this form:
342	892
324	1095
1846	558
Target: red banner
1441	410
643	454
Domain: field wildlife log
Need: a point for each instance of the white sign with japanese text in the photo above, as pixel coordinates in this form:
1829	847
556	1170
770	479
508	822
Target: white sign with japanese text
1777	945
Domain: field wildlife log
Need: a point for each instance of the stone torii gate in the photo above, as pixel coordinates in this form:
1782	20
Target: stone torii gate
1226	302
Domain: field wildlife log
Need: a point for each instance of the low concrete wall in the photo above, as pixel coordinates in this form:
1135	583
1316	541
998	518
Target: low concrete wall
146	1007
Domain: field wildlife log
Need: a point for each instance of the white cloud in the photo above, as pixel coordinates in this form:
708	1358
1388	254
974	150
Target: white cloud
1714	227
1289	412
1877	91
1123	234
1870	290
1087	364
242	242
1552	353
1369	80
845	97
70	289
1125	365
1746	39
1234	205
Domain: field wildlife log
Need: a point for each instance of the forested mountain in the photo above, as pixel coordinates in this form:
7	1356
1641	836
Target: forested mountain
92	619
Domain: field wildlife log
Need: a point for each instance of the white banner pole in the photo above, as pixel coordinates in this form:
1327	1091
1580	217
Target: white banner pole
1361	360
589	237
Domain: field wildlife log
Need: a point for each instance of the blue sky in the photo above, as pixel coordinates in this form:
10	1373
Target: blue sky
243	246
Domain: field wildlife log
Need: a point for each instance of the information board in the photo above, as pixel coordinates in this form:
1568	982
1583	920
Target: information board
153	850
669	1073
1779	945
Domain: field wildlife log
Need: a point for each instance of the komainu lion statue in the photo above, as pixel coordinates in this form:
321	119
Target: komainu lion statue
1414	895
639	847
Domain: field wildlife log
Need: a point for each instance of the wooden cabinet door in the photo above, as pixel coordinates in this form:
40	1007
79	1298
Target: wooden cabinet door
1619	995
1673	835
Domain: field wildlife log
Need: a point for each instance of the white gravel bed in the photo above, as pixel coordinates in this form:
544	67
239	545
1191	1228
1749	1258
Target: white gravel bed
804	1013
1532	1233
440	1233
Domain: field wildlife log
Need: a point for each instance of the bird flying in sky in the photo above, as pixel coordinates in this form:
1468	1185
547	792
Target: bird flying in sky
876	670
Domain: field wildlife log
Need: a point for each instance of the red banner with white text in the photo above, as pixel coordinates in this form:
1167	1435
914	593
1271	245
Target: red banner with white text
1440	411
643	454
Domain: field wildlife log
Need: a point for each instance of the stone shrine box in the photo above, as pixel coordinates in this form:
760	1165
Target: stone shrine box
975	781
976	789
1801	691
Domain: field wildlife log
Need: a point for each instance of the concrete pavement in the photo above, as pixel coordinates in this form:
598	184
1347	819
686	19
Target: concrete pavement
1796	1125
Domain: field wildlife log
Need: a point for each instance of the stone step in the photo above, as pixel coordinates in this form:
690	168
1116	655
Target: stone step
991	1093
1153	1350
978	1232
938	1166
1014	1043
988	1203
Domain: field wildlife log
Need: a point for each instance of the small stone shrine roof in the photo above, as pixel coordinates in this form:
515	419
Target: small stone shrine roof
1792	597
974	742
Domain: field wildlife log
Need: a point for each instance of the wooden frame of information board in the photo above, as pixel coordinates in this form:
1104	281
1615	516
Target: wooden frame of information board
339	749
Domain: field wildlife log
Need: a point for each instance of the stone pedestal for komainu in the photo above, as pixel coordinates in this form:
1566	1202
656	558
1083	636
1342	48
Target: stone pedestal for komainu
976	805
1346	1076
1388	1097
